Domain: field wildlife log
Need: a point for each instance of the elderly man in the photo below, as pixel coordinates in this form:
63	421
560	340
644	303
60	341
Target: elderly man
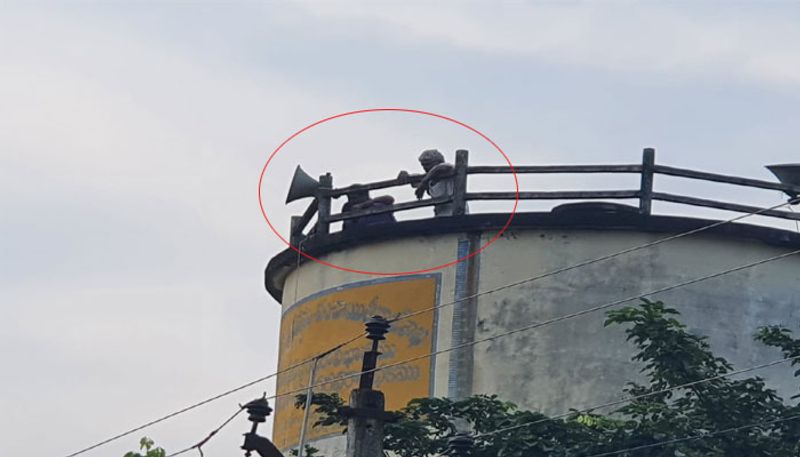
437	182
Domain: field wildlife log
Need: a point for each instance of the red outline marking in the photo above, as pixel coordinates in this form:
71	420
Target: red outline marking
402	110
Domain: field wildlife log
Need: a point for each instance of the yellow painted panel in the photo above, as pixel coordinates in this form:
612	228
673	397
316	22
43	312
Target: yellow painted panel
315	325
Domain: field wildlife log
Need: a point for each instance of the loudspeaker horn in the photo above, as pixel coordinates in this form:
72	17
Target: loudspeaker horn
788	173
302	186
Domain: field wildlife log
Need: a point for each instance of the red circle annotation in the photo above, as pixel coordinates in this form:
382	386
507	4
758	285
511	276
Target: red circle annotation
397	110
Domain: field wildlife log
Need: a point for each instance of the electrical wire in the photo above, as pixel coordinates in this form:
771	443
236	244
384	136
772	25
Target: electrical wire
563	415
598	259
796	222
550	321
209	400
297	268
201	443
572	411
556	272
638	397
442	305
697	437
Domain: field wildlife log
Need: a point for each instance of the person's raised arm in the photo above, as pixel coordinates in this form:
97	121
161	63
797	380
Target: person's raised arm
441	171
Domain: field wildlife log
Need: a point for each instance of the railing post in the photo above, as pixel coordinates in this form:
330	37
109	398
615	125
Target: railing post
460	183
324	199
646	189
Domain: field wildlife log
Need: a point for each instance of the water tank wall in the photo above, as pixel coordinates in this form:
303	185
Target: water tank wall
578	362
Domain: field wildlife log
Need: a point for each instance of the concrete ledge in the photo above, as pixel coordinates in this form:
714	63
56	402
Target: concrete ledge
589	217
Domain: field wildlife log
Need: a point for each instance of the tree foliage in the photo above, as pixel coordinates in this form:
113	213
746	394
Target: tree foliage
687	394
148	446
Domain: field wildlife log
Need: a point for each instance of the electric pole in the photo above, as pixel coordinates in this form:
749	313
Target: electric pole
366	413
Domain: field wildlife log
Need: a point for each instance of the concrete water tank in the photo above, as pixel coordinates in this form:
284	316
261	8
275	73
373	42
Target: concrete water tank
573	363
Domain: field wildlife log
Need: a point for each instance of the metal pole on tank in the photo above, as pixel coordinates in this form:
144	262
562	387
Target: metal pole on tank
309	395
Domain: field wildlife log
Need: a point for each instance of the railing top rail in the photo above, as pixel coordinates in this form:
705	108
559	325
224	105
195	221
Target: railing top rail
542	169
524	169
320	206
338	192
388	209
705	176
554	195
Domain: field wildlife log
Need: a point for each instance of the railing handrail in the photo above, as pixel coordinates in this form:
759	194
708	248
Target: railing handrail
321	205
526	169
727	179
555	195
389	209
375	185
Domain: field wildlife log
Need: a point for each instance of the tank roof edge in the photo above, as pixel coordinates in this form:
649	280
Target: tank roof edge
284	262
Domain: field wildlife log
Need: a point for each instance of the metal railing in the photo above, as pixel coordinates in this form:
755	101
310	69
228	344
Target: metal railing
321	205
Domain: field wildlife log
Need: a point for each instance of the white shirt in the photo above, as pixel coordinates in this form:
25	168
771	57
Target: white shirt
443	188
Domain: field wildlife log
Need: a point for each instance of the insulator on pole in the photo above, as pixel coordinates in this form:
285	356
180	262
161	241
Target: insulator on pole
258	410
377	327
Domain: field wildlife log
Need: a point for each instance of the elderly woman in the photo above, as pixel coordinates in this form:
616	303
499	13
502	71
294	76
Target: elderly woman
358	200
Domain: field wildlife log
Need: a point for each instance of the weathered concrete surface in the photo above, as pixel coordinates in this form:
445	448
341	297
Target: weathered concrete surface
395	255
578	362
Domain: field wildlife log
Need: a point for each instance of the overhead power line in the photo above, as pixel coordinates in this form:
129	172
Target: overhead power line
201	443
572	411
602	258
442	305
566	269
550	321
206	401
638	397
699	436
568	413
574	266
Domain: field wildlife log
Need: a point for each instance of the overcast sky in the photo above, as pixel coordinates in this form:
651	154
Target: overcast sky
132	135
